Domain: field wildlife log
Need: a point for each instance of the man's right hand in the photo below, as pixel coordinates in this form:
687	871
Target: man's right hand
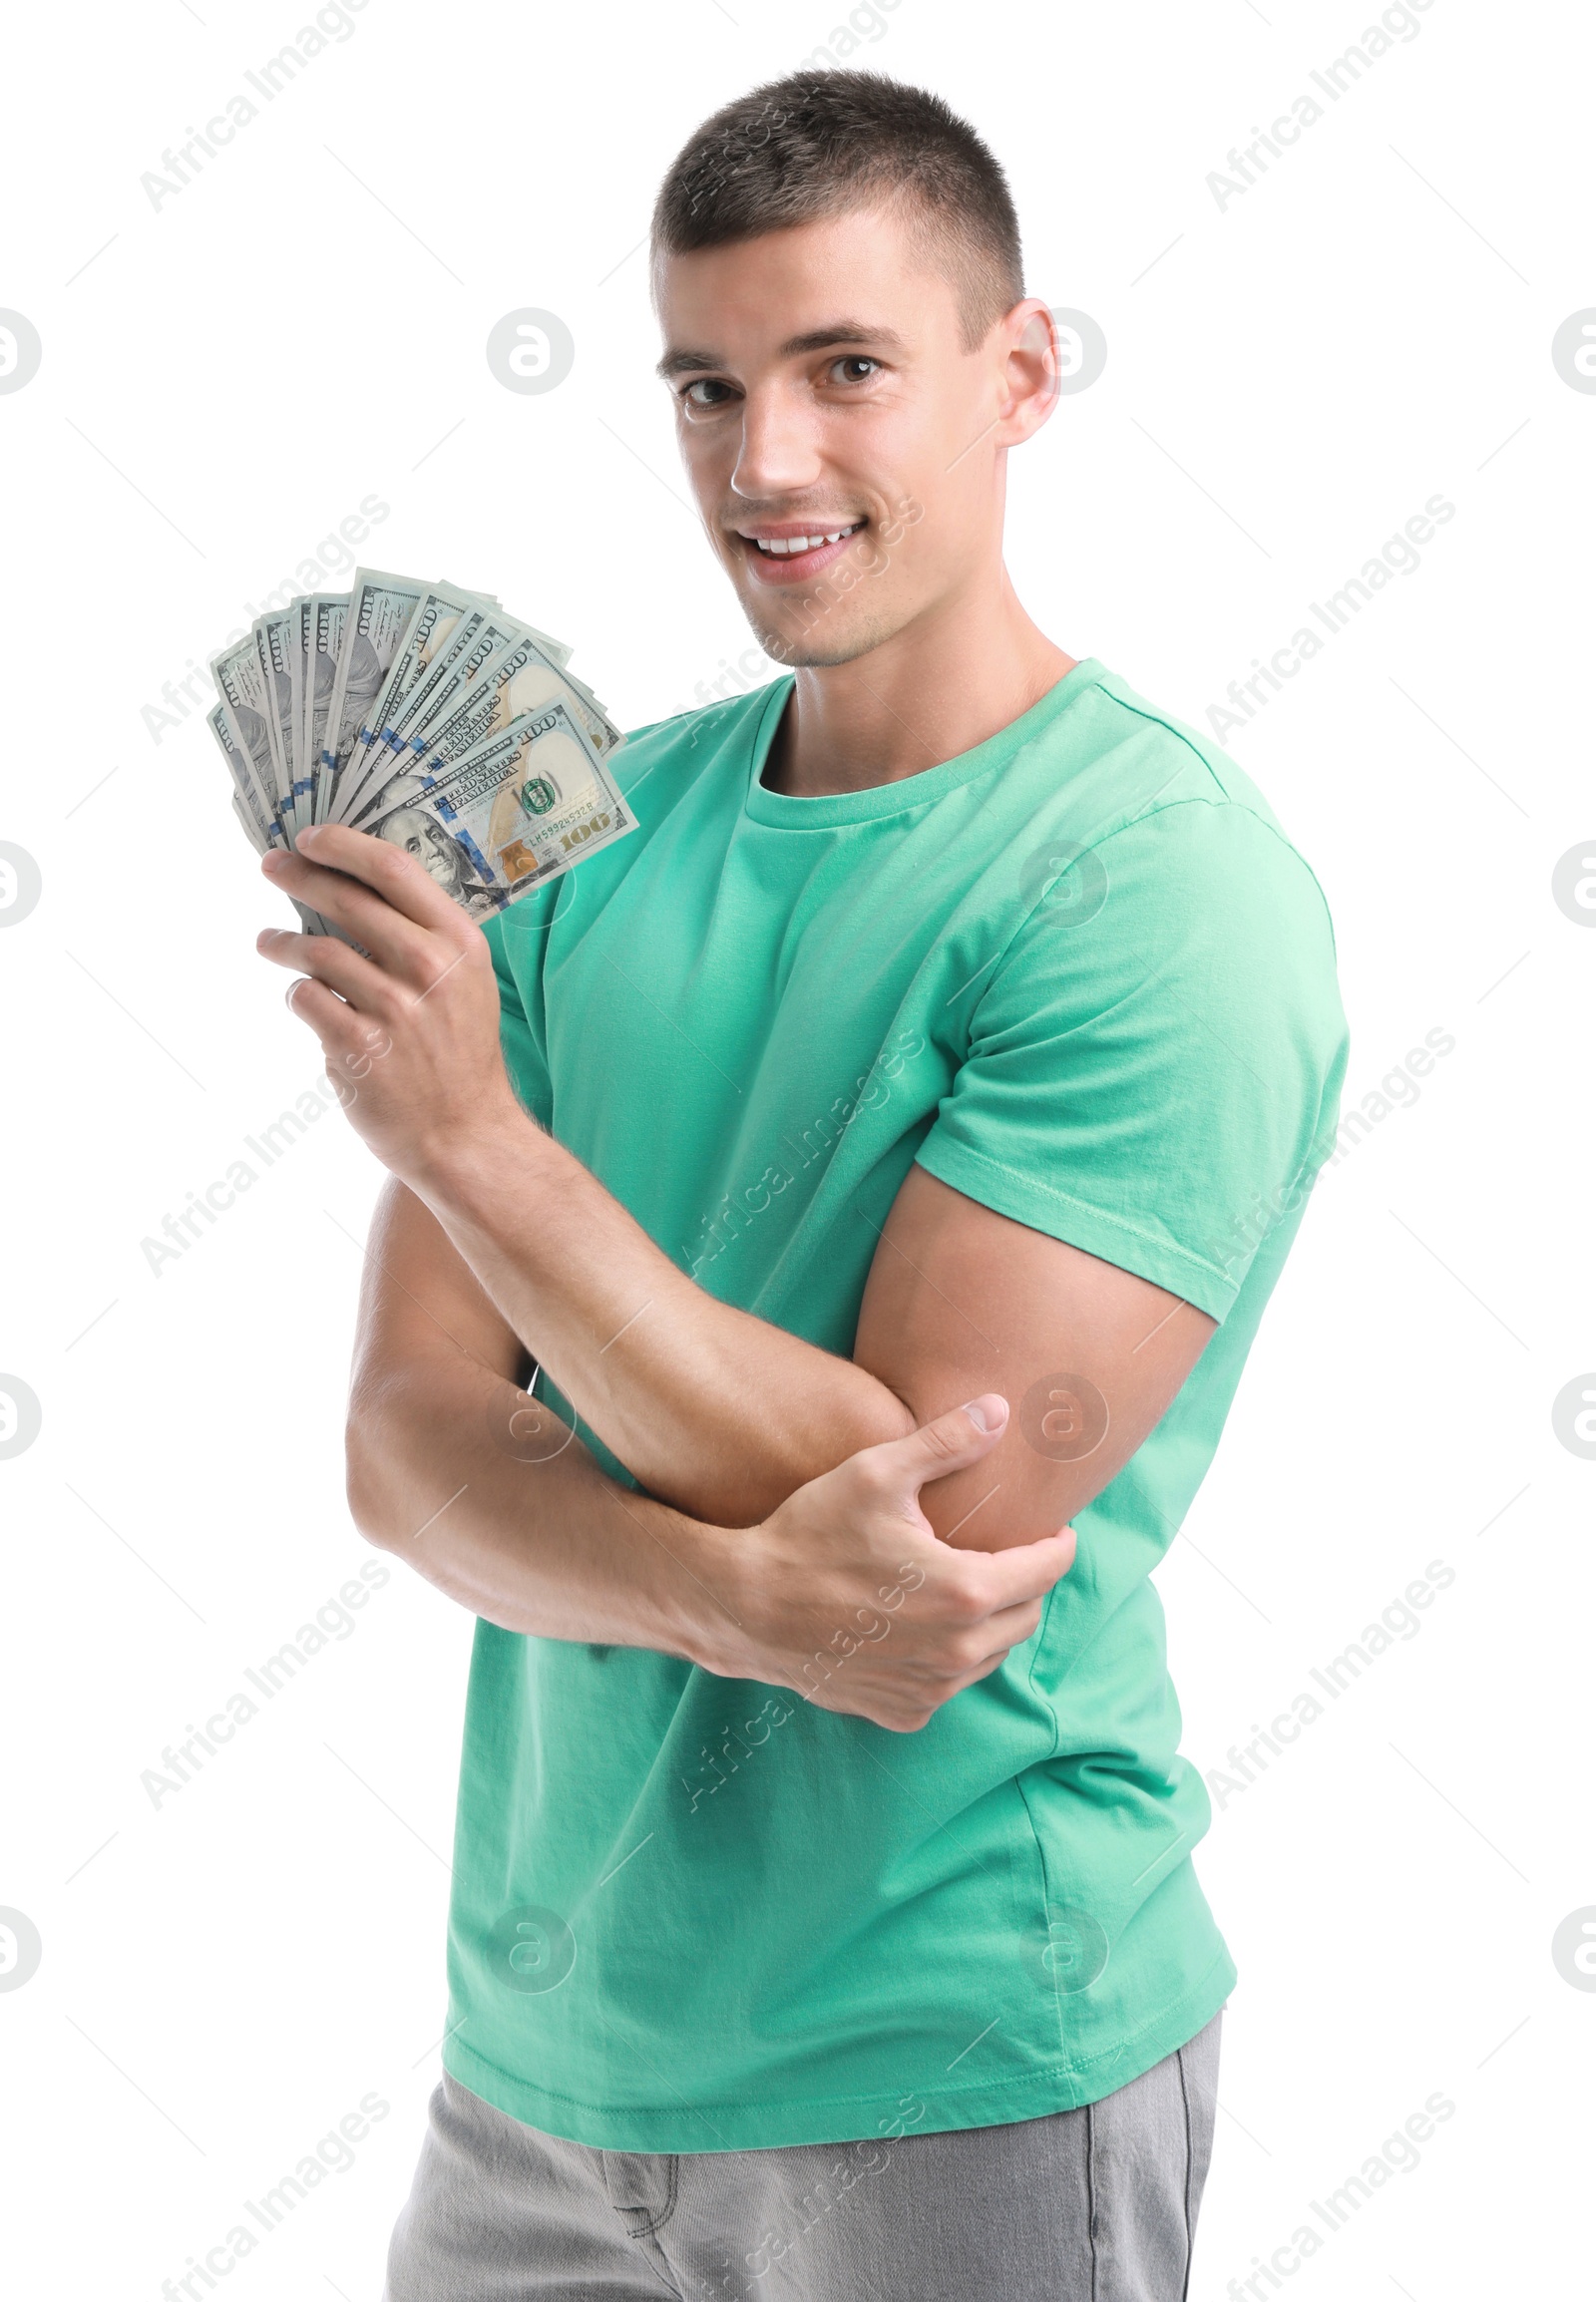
846	1594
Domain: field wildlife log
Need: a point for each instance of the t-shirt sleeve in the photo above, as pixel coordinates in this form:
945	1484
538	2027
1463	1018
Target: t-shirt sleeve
517	937
1154	1065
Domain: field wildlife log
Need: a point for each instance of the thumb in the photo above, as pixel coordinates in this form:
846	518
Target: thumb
949	1443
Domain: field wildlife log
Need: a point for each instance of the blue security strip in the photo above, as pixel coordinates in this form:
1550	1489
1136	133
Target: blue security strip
475	852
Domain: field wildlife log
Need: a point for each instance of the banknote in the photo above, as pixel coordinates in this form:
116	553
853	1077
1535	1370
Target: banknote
242	685
517	810
482	644
276	641
476	634
440	612
327	611
477	646
259	827
303	612
380	608
426	713
248	825
516	681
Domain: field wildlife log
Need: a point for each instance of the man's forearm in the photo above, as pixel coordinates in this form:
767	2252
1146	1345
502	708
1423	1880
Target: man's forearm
709	1408
844	1594
514	1518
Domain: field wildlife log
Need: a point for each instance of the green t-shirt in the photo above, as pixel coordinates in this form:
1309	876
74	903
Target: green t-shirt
1080	975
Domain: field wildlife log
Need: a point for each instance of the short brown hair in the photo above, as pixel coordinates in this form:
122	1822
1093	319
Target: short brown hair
821	143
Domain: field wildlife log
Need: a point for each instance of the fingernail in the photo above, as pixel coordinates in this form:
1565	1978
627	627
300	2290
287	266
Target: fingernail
989	1412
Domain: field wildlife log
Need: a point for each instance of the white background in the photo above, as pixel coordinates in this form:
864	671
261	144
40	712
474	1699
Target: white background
1290	377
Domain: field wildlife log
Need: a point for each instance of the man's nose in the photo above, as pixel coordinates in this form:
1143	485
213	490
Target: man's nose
778	454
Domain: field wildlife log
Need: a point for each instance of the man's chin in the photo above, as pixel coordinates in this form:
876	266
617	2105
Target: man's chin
825	639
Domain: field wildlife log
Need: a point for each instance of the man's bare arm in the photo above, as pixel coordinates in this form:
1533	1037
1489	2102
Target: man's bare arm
1089	1356
449	1468
843	1593
724	1414
710	1408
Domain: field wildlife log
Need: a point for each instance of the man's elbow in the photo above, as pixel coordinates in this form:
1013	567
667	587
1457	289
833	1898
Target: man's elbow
368	1481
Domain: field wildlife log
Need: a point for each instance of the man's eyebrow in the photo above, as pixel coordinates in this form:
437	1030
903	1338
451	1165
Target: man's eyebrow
842	332
680	363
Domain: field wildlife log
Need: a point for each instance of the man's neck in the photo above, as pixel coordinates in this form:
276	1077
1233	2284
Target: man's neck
959	673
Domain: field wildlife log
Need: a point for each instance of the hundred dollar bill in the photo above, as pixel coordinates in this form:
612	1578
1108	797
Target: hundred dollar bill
311	922
479	635
277	638
478	639
555	649
441	612
463	647
302	611
248	825
259	827
242	685
380	606
327	611
517	680
259	834
247	807
517	810
584	691
523	679
282	774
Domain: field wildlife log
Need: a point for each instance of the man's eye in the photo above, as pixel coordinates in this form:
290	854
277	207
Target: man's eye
853	368
707	392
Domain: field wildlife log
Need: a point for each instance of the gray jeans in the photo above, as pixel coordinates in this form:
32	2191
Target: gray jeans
1089	2205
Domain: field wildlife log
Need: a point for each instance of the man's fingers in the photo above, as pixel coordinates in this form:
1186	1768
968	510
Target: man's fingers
335	1023
390	934
1008	1628
328	962
1027	1570
396	877
949	1443
909	1712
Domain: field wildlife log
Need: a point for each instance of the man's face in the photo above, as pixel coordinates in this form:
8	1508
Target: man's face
824	396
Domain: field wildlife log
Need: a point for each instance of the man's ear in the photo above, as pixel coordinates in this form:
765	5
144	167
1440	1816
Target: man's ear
1026	341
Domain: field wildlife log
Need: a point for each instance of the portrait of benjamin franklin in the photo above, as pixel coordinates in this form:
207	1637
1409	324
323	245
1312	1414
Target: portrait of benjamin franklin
442	858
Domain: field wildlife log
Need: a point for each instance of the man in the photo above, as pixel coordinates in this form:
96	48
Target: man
956	1028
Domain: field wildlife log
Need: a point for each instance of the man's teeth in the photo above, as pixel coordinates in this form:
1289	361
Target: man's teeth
784	545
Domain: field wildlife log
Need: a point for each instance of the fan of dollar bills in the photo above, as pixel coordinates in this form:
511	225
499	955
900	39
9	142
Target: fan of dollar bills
426	715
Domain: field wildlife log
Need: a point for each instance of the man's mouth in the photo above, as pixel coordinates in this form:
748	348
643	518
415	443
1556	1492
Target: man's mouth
784	553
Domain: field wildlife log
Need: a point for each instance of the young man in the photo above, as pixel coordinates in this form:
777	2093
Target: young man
956	1028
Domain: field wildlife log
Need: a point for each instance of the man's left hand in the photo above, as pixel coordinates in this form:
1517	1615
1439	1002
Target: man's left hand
410	1034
